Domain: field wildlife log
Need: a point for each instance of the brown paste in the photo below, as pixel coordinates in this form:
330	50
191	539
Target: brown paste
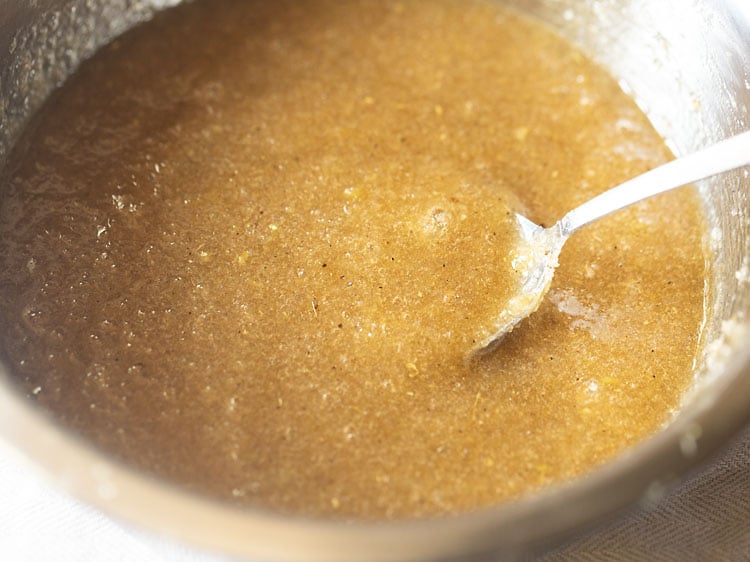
249	244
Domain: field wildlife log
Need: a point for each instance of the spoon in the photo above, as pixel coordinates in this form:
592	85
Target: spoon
540	247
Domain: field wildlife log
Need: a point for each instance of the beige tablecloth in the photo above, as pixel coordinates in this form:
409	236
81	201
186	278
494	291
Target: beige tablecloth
705	518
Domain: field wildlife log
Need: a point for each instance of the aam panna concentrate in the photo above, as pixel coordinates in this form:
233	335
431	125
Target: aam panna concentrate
247	246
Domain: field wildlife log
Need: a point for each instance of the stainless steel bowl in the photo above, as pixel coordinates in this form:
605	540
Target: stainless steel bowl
691	74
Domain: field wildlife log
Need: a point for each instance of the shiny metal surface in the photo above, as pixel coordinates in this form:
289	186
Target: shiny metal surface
691	75
542	246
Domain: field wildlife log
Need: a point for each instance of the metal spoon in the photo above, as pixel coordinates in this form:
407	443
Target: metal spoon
540	247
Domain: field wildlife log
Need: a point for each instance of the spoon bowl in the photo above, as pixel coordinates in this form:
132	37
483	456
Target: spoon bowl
539	248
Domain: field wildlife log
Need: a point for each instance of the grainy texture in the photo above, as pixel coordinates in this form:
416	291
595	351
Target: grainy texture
247	246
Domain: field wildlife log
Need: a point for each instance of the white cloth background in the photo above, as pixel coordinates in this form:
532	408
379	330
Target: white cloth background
40	524
706	518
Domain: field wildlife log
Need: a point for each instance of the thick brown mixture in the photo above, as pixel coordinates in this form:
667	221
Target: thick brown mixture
248	245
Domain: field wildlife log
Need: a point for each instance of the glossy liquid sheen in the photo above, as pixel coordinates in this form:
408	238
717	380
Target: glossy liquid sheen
248	246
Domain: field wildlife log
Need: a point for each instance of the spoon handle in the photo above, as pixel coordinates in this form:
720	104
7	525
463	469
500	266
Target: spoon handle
725	155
